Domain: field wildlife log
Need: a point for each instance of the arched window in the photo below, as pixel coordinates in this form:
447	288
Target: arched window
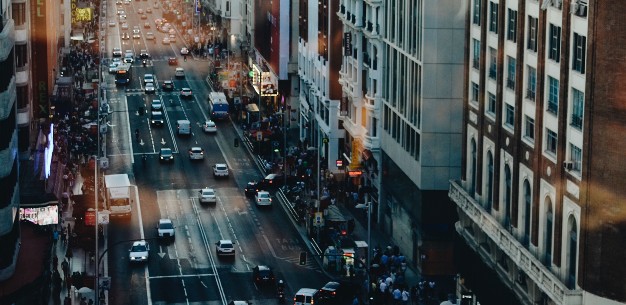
507	197
472	169
489	202
548	233
527	201
572	252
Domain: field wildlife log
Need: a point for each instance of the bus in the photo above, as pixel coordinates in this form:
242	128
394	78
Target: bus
123	74
219	105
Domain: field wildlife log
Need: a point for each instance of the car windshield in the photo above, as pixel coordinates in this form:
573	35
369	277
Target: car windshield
264	195
166	226
208	193
220	167
166	151
138	248
227	245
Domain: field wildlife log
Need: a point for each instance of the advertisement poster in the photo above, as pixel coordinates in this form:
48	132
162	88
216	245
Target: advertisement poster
42	216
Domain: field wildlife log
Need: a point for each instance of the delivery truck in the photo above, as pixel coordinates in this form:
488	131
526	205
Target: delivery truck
118	194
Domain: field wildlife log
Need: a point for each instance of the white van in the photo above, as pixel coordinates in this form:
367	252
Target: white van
305	296
183	127
179	72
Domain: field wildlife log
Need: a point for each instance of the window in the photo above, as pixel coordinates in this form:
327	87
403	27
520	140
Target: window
509	116
489	190
529	128
511	34
491	106
551	141
578	99
474	92
476	15
579	8
21	55
580	47
576	156
492	63
532	83
493	17
531	43
19	13
510	76
554	52
553	95
476	54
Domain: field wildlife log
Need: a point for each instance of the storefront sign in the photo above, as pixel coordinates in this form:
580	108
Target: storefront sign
355	173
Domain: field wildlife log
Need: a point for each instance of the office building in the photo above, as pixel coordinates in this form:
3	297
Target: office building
542	185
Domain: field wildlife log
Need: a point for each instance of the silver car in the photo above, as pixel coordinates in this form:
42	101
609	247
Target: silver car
139	252
207	195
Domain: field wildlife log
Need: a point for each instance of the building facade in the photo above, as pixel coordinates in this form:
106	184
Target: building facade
542	180
401	108
9	198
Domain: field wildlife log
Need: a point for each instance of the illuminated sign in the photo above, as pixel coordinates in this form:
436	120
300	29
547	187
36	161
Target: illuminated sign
339	163
48	215
48	152
355	173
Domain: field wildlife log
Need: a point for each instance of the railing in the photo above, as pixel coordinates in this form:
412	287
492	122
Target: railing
553	106
492	73
476	63
577	121
530	94
510	83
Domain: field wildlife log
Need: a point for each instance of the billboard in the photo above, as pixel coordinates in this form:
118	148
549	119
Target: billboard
266	84
48	215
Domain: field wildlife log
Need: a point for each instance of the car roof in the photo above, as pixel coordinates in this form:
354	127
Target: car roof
156	101
166	149
165	220
331	285
196	148
263	267
263	192
139	243
226	241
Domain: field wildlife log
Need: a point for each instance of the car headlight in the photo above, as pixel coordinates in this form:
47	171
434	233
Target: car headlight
161	157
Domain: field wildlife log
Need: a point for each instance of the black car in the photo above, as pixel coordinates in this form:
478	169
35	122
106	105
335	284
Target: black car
336	293
168	85
263	275
251	188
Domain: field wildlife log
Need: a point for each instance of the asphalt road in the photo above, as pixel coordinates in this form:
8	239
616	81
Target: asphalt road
186	270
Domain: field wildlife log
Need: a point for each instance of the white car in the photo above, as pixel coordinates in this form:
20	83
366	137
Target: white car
150	88
179	72
139	251
150	36
263	198
207	195
209	126
148	78
172	38
184	51
165	40
124	26
225	247
113	67
117	52
220	170
186	93
112	23
165	228
129	60
196	153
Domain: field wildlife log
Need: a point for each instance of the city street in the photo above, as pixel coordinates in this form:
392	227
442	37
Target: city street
187	269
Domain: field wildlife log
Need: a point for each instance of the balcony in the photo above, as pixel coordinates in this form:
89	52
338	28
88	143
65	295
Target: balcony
510	83
553	107
577	121
472	218
7	38
476	63
492	73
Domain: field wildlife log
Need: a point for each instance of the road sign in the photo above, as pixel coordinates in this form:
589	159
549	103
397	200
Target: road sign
259	136
325	140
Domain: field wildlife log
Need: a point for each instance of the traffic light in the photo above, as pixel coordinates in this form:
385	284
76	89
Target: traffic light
302	258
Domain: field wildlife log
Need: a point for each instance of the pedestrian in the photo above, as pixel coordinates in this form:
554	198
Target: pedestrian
405	297
55	236
397	296
65	268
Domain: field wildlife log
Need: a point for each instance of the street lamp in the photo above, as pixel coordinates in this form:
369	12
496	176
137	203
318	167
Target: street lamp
368	206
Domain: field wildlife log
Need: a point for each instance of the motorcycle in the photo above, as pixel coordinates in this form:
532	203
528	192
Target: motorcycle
281	297
144	62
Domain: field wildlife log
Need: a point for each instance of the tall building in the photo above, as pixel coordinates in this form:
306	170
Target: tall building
541	192
9	162
319	64
401	109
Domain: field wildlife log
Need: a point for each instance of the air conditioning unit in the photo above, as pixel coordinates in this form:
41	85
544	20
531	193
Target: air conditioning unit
568	165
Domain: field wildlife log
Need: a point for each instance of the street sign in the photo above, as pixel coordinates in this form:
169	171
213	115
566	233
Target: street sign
355	173
325	140
259	136
339	163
